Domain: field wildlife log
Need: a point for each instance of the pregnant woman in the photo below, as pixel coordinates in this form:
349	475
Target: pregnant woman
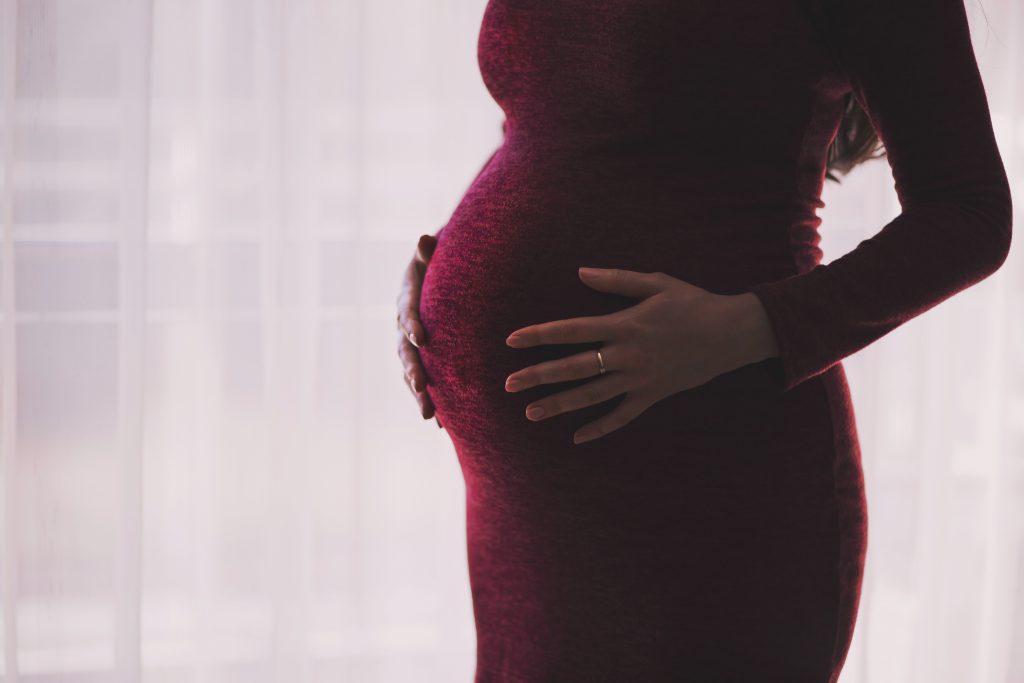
663	476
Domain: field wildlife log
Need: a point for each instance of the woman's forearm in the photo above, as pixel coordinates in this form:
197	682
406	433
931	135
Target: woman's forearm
751	337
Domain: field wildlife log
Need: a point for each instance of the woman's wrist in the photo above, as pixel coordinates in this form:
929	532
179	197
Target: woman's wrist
751	335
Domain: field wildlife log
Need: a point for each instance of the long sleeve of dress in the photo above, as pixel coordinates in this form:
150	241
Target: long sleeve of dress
912	68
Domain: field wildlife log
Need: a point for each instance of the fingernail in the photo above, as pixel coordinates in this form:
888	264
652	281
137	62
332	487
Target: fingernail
513	385
535	412
588	272
513	339
580	437
412	338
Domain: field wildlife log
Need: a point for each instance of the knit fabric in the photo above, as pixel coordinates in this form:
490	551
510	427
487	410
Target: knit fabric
721	535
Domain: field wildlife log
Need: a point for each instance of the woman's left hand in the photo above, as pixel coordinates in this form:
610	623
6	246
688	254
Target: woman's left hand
677	337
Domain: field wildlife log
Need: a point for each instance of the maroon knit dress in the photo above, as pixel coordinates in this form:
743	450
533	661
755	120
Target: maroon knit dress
720	536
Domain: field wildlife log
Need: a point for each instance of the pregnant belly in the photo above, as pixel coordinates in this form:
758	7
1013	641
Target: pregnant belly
509	255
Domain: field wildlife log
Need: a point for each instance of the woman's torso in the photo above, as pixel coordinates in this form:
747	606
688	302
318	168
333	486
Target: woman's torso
642	134
704	536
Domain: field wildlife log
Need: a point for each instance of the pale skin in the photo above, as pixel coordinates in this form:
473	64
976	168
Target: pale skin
676	337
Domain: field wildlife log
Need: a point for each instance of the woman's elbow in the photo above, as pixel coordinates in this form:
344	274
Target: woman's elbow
1001	221
988	213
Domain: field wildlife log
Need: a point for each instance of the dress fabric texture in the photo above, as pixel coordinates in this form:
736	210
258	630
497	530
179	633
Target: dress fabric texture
721	535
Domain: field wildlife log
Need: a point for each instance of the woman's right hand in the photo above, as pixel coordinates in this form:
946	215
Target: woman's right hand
410	331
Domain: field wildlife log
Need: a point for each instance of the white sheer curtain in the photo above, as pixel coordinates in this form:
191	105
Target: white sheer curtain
210	467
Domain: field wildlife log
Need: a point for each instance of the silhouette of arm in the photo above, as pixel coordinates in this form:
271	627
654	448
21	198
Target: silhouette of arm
911	66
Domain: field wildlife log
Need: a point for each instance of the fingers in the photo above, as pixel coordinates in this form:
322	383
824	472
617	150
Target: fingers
570	331
426	406
409	325
412	284
623	414
415	376
425	248
626	282
593	392
414	372
411	333
576	366
408	305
